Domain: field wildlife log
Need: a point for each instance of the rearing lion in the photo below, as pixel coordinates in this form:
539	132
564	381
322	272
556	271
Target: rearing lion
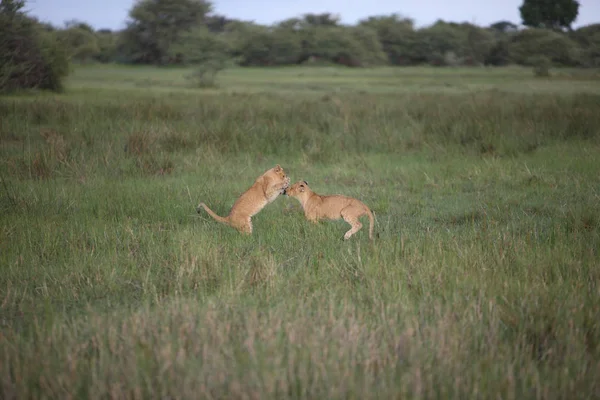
332	207
265	190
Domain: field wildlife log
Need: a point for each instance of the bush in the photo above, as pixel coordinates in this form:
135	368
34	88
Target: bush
207	52
261	47
541	66
440	43
557	47
204	75
30	57
80	44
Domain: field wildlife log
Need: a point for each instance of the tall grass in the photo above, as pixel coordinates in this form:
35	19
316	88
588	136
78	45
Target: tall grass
482	281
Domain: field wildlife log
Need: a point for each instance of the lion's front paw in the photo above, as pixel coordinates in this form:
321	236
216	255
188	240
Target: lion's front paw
286	185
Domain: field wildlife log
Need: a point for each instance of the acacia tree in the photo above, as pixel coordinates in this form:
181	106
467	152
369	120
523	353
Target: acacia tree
549	14
155	26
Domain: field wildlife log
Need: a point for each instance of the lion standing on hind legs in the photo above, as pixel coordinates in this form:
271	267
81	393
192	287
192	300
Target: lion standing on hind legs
266	189
331	207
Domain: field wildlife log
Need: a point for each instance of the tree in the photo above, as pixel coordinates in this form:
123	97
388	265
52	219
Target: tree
531	44
236	35
107	45
585	35
591	54
442	43
156	25
30	56
588	38
549	14
503	27
396	35
325	19
206	51
371	51
74	23
217	23
262	47
351	46
80	43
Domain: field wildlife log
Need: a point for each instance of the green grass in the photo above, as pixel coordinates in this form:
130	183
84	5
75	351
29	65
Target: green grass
310	80
482	281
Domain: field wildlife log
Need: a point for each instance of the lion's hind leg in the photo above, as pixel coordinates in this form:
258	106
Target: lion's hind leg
352	219
243	225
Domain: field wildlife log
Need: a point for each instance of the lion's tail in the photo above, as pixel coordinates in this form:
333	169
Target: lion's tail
371	223
212	214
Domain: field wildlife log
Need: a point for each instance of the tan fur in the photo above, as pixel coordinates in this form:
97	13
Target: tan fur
317	207
265	190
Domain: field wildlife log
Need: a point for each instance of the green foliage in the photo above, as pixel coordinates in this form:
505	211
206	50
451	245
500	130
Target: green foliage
76	24
588	37
107	46
350	46
499	54
80	43
158	33
217	23
591	54
440	42
156	25
30	56
396	35
549	14
207	52
263	47
541	65
369	49
503	27
557	47
237	34
294	41
480	43
320	20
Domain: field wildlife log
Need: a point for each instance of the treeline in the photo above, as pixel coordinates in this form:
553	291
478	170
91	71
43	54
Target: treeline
186	32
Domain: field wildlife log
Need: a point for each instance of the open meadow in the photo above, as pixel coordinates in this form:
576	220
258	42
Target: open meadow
482	282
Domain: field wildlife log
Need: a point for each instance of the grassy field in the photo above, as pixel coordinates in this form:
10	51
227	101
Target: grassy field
482	281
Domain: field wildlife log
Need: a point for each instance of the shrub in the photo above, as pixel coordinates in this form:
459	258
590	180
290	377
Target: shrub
207	52
204	74
541	66
29	56
557	47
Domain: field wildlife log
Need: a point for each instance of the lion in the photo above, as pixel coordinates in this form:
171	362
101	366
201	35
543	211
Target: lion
265	190
332	207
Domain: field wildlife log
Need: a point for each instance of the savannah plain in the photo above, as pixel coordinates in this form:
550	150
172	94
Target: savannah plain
482	280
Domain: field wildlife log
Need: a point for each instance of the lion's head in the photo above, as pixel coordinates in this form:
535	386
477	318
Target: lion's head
296	189
277	174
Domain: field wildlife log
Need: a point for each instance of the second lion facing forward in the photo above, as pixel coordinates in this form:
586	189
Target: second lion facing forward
317	207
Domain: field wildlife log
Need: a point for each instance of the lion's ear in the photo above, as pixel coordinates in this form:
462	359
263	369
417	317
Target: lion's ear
306	183
278	167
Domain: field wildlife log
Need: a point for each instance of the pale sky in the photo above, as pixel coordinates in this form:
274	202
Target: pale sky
112	14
